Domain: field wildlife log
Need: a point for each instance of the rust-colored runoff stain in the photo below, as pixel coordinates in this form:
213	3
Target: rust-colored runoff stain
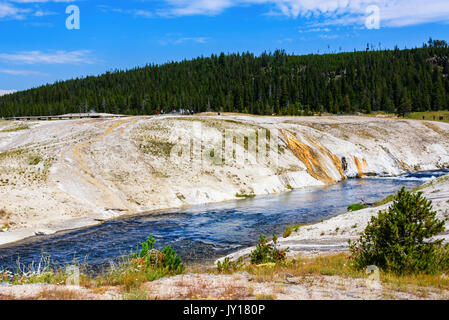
365	164
333	157
309	158
359	166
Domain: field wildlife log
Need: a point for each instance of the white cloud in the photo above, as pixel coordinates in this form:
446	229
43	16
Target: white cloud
57	57
142	13
10	10
205	7
4	92
394	13
22	72
181	40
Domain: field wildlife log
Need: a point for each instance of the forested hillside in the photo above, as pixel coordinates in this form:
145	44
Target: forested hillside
363	81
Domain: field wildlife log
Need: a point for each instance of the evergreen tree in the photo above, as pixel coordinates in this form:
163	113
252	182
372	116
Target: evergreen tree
404	107
399	239
272	83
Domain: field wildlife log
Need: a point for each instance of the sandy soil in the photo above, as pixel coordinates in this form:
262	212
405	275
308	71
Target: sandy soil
67	174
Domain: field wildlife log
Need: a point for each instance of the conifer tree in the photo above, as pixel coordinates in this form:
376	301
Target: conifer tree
399	239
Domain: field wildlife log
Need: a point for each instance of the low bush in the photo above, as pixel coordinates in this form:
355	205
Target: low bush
267	252
399	239
147	265
228	266
165	259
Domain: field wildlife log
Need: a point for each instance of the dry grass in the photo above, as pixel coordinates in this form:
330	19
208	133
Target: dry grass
4	220
60	294
233	291
15	128
4	297
340	265
198	288
137	294
321	265
415	283
3	214
307	271
266	297
384	201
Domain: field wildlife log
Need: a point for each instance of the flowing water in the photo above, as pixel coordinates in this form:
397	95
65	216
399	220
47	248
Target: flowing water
203	233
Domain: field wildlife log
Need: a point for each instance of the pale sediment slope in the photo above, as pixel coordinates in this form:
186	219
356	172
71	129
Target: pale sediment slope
68	174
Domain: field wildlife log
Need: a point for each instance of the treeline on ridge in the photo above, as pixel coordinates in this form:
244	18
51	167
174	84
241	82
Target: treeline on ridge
272	83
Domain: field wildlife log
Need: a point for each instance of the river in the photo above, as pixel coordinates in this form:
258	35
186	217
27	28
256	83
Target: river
206	232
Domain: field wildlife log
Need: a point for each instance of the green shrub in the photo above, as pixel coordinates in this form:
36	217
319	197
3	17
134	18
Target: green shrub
267	252
165	259
171	261
397	240
356	207
229	266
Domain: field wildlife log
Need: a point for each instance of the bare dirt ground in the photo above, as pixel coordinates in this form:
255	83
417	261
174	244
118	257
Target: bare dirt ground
239	286
61	175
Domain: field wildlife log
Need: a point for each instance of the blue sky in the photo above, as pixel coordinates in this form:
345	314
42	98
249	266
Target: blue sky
36	47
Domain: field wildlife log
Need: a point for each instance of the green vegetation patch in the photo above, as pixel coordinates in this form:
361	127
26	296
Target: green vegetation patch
34	160
16	128
357	207
288	230
386	200
156	147
22	163
442	116
243	195
134	269
267	252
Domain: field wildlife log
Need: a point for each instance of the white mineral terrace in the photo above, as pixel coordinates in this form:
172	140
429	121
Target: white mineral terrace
73	173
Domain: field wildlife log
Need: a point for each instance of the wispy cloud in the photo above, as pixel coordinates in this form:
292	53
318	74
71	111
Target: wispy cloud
195	7
57	57
142	13
10	11
314	30
285	40
22	9
393	13
22	72
181	40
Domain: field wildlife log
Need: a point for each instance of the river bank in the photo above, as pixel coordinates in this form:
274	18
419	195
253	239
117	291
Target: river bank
318	271
331	236
202	233
70	174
